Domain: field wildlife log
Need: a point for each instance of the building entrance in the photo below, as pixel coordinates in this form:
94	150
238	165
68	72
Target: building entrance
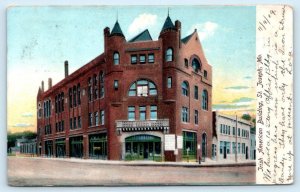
76	147
60	149
98	146
143	147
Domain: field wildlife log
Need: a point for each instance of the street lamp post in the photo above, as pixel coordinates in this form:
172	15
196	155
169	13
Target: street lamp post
236	133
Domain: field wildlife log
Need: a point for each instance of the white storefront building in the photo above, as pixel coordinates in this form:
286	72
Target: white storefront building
231	138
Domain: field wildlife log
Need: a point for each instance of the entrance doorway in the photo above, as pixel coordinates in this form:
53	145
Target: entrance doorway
98	146
143	147
76	147
189	146
204	146
60	147
48	148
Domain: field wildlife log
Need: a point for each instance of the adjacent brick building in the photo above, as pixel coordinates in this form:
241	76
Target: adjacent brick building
140	99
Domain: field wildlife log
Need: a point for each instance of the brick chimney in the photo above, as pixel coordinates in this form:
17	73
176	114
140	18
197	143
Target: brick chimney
42	86
66	69
49	83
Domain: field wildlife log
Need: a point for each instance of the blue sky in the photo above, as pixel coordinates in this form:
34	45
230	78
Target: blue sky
40	39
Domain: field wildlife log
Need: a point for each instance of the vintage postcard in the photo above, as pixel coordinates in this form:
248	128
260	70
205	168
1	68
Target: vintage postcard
149	95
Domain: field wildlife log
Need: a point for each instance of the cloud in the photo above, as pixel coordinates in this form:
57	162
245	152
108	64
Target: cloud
232	107
205	30
237	87
27	114
243	99
247	77
141	22
23	125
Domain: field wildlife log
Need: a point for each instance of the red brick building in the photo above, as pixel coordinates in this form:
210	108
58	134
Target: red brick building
140	99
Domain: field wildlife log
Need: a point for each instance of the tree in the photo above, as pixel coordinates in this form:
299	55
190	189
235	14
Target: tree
12	137
246	117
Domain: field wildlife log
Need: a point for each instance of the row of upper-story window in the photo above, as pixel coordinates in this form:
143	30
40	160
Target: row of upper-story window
95	119
185	92
59	103
75	123
142	112
47	108
185	115
96	86
142	87
169	56
226	129
231	148
74	96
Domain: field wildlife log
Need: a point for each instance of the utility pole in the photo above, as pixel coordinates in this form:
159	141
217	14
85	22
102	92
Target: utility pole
236	133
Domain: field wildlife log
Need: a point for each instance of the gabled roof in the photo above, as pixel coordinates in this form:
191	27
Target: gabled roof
143	36
117	30
168	24
187	38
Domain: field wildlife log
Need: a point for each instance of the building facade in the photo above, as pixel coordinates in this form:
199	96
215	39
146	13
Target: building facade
139	99
231	138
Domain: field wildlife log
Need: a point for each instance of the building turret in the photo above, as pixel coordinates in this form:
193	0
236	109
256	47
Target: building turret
117	31
170	35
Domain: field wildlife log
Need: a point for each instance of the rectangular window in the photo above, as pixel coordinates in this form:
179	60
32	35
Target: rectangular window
151	58
74	122
233	147
184	114
142	59
96	118
196	117
243	148
116	84
63	125
233	130
133	59
142	113
239	132
131	113
102	117
205	74
221	147
239	147
228	130
71	123
196	92
221	128
169	82
153	112
90	119
228	147
79	122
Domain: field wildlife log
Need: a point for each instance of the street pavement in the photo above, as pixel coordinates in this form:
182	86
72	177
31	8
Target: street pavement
26	171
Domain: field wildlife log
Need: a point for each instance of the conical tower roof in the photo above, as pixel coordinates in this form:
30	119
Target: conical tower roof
168	24
117	30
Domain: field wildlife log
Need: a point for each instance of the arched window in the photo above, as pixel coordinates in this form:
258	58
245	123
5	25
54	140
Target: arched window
90	89
142	88
70	97
169	54
78	94
95	84
101	79
62	101
196	65
204	100
185	88
74	96
116	58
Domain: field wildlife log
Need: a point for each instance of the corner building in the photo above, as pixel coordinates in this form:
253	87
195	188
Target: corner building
141	99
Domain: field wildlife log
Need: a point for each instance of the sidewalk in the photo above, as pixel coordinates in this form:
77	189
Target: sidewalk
207	163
